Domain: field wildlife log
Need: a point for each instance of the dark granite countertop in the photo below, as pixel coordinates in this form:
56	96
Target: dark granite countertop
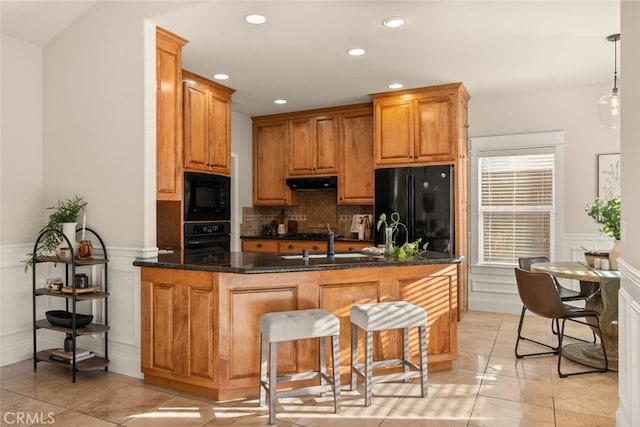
253	263
315	239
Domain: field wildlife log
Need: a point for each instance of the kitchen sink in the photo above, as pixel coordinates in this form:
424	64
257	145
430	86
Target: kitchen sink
342	255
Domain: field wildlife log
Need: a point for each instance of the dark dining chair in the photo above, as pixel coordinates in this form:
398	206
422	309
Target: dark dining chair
565	293
539	295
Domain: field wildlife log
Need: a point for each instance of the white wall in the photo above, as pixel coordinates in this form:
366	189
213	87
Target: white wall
242	145
21	189
94	120
21	180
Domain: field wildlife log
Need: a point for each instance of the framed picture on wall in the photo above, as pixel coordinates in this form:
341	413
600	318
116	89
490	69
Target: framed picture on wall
608	176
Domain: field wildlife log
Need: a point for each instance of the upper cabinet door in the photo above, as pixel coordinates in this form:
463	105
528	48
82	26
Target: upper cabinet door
325	145
355	182
394	139
196	128
300	146
220	133
435	122
168	115
270	165
312	145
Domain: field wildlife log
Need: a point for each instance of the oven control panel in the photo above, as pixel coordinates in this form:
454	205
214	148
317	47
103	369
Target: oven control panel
206	228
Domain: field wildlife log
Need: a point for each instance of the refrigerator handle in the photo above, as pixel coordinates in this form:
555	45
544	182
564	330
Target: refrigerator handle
411	205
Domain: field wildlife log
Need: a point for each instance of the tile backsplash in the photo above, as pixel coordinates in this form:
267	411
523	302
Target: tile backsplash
315	211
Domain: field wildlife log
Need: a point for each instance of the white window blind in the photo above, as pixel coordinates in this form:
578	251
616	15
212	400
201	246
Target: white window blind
516	207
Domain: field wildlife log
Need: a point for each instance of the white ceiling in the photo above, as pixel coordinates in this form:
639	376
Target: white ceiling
497	47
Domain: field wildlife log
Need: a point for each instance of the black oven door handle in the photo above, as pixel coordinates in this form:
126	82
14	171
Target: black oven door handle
191	243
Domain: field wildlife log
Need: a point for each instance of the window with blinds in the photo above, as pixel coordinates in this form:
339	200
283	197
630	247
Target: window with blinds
516	207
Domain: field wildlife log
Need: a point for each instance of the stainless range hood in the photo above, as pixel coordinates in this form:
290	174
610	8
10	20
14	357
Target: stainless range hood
313	183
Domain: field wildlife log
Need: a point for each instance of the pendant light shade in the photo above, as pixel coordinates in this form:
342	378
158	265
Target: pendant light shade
609	105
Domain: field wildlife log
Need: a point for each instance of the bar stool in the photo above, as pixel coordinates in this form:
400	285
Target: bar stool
382	316
295	325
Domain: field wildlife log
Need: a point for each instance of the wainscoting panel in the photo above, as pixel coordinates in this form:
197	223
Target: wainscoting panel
628	413
16	342
494	288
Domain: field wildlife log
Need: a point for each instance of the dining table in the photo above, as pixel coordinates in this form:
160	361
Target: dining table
601	288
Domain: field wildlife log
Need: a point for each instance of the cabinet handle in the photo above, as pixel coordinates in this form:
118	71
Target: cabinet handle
315	247
290	246
462	156
351	249
259	245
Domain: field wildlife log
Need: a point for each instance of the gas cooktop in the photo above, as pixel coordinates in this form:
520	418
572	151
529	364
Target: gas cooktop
309	235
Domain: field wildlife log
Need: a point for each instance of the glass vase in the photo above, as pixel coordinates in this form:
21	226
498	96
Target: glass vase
388	242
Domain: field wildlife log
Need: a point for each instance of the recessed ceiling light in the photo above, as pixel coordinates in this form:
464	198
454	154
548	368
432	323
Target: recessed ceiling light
393	22
255	19
221	76
280	101
356	51
395	85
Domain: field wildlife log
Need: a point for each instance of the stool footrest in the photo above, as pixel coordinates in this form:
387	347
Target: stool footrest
360	370
314	389
301	376
389	364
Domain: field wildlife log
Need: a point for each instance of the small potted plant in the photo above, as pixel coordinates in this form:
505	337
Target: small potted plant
408	250
63	218
607	213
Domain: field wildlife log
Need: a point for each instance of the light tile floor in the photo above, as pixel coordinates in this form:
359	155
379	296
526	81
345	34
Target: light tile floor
488	386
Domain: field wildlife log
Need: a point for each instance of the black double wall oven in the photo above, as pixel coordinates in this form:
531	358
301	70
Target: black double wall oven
207	213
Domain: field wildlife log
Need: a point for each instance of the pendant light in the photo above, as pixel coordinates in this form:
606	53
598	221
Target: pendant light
609	105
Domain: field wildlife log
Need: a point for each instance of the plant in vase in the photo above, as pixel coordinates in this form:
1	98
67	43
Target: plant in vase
63	219
408	250
607	213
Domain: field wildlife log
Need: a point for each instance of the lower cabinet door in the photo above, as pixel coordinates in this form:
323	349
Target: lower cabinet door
177	325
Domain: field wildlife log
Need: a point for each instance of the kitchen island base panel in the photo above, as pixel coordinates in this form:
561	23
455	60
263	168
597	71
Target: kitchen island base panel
200	328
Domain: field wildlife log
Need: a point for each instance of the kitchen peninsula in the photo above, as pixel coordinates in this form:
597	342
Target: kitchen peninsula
200	313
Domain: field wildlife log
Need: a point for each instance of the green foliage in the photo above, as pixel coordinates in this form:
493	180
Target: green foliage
606	212
408	250
67	211
64	211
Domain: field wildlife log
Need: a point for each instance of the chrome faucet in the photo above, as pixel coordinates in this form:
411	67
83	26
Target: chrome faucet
330	242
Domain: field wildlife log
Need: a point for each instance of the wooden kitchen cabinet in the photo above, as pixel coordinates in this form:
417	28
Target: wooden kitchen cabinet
282	246
355	148
312	145
168	115
270	164
207	125
178	326
418	126
351	246
266	245
296	246
327	141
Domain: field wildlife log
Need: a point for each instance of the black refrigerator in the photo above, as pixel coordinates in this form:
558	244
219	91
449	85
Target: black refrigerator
424	197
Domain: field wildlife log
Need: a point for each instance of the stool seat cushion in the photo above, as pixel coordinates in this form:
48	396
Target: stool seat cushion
298	324
387	315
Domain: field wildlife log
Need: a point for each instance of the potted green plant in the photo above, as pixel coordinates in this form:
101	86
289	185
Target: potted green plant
408	250
607	213
63	219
